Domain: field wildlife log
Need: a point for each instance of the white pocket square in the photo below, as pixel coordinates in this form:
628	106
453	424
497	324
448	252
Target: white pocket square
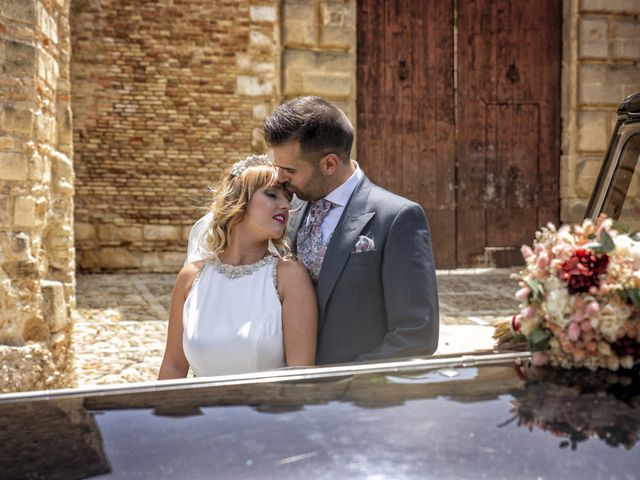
363	244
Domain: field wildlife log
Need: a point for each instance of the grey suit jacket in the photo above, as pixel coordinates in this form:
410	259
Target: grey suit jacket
381	303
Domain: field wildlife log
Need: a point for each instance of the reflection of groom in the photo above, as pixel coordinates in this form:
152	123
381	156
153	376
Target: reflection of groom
367	250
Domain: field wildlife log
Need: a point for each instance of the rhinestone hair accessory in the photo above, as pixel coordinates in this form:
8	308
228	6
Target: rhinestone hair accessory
250	161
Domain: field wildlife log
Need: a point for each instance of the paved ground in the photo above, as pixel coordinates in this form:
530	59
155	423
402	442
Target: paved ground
120	320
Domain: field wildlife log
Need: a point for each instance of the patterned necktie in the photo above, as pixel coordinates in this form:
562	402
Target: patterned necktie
311	250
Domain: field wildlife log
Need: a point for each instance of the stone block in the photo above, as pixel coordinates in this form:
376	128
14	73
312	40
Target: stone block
46	24
23	10
253	86
24	212
263	13
593	39
299	65
116	258
114	233
326	84
54	308
610	6
163	261
61	167
86	259
259	38
13	166
19	58
161	232
572	210
338	25
46	127
48	69
84	231
5	211
606	84
17	120
37	171
625	43
593	131
299	28
260	111
7	143
587	173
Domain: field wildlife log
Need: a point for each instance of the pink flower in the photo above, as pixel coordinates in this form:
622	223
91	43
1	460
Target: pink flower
539	358
528	312
592	308
526	251
523	294
543	260
574	332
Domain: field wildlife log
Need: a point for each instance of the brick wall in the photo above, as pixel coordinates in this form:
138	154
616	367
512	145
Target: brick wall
601	65
36	196
166	94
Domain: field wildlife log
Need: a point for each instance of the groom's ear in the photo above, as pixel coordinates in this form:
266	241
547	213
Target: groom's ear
329	163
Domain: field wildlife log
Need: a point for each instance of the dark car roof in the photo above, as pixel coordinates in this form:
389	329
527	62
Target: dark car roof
403	420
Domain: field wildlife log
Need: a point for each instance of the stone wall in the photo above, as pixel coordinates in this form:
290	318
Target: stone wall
319	51
36	195
601	66
166	94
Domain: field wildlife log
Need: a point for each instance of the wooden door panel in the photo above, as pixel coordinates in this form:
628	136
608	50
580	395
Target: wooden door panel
509	93
406	107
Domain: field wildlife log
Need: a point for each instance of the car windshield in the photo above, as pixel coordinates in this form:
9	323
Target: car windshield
623	202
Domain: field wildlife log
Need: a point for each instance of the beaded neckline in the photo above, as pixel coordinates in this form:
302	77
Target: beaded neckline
233	272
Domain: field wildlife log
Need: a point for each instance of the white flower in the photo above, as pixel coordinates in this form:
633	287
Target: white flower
611	321
626	247
557	302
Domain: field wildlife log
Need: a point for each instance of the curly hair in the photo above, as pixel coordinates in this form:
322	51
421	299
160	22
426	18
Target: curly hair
231	197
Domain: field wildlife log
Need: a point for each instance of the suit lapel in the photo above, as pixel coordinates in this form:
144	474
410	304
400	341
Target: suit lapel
354	218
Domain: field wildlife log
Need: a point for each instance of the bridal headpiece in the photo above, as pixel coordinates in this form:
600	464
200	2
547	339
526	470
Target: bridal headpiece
250	161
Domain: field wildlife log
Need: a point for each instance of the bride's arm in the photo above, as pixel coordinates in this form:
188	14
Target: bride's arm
299	313
174	362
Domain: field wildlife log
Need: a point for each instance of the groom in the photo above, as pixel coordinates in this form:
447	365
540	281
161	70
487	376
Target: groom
367	250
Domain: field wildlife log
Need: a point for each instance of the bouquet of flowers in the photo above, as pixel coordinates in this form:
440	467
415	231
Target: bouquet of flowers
580	298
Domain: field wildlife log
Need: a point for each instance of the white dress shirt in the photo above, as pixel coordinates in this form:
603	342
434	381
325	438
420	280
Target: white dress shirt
339	197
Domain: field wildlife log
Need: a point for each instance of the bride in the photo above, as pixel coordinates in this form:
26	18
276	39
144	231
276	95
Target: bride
248	307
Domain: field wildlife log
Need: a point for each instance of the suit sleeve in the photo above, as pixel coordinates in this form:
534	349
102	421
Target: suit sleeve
410	289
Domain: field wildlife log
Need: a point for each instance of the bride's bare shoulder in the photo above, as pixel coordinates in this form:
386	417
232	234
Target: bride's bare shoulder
291	270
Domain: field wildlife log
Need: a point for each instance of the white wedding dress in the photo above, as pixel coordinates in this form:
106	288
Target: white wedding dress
232	319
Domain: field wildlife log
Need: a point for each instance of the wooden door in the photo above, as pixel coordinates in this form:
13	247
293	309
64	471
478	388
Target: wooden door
508	125
406	107
481	158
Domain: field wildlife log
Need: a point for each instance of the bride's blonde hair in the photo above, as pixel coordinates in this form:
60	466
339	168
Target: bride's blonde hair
231	196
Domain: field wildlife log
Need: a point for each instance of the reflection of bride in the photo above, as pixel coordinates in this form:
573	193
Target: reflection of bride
578	405
243	309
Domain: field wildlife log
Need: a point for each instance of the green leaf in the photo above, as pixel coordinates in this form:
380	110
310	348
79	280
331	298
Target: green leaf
539	340
607	242
537	290
636	237
634	295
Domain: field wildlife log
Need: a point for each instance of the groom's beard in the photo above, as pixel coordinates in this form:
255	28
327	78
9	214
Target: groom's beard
314	189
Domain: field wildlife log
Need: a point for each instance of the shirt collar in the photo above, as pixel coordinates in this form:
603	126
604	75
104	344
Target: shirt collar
341	195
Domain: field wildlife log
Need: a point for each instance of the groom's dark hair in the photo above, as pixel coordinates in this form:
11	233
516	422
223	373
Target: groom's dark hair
319	126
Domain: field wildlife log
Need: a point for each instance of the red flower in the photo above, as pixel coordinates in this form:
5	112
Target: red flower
582	271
